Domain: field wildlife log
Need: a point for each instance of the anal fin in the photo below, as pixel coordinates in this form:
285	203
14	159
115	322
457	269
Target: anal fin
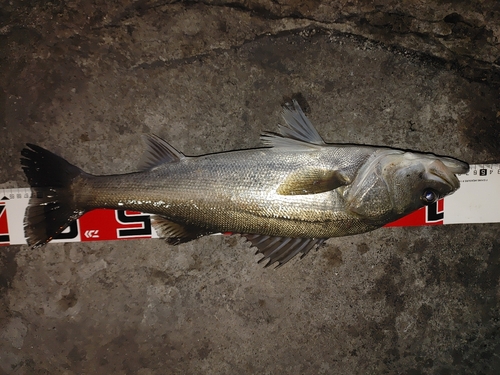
175	233
282	249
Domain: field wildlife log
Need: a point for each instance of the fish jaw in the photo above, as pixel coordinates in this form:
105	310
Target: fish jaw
444	170
438	171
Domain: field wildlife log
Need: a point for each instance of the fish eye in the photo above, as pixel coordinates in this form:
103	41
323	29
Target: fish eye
429	196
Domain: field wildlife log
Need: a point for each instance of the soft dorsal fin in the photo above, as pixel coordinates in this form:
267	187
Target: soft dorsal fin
158	151
298	130
312	181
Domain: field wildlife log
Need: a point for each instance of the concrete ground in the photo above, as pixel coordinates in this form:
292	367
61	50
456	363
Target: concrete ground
86	78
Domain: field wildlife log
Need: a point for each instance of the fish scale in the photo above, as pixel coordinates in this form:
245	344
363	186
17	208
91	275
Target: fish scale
210	192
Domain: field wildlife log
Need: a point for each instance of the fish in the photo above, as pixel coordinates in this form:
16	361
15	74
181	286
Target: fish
286	197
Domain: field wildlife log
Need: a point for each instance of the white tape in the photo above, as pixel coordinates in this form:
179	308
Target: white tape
478	199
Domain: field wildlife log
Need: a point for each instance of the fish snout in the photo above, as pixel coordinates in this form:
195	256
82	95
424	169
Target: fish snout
446	168
455	166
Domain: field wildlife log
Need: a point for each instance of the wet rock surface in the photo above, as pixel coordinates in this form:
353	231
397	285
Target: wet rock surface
86	79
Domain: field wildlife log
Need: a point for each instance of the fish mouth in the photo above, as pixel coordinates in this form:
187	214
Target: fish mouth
446	168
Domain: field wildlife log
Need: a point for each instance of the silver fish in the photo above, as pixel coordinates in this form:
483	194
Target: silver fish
286	198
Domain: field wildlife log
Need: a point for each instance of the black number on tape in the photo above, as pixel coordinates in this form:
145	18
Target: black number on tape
144	220
70	232
432	213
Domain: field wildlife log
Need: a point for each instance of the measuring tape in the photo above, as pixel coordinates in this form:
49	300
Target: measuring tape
477	201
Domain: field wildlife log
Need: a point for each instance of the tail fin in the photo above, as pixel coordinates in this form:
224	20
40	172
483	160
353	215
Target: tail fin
51	207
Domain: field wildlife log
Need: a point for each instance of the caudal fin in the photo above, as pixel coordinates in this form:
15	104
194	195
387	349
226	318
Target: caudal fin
51	207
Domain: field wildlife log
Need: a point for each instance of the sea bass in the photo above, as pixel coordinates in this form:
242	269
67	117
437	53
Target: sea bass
285	198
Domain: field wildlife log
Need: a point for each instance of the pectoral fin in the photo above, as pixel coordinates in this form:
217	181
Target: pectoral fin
312	181
175	233
282	249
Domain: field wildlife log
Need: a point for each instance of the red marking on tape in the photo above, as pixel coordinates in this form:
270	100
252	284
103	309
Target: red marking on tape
430	215
4	225
108	224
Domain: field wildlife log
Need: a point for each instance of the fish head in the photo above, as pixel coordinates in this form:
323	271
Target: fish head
394	183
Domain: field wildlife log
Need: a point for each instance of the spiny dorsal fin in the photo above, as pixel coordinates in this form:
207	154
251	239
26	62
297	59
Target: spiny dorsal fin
176	233
312	181
298	130
158	151
282	249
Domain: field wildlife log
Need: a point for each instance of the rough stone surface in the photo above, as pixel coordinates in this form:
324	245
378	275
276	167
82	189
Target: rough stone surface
86	79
